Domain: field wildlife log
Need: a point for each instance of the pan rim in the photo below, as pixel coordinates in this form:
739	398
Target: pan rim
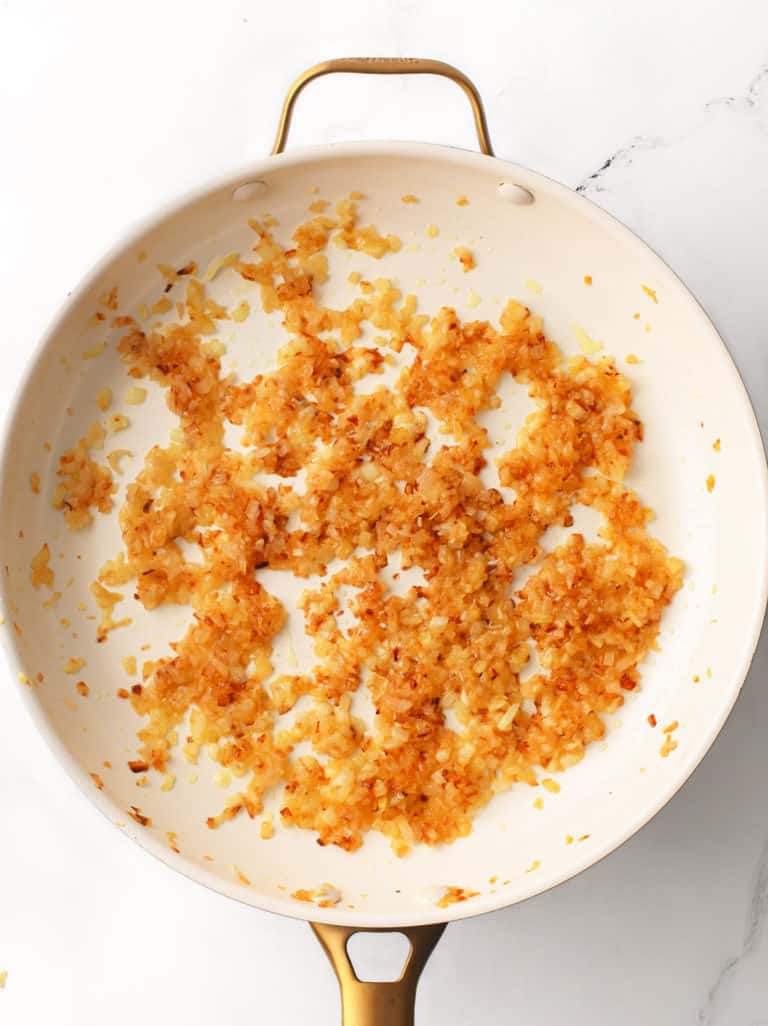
587	208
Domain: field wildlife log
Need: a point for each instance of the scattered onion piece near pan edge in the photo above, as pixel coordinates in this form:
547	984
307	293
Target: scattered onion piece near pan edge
325	896
40	570
455	896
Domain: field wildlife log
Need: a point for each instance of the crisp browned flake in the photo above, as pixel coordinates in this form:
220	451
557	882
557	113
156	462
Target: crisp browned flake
455	895
136	814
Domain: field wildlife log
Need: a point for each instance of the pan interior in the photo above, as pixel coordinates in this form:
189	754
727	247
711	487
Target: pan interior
686	392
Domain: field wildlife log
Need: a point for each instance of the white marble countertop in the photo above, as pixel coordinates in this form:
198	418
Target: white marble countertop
659	112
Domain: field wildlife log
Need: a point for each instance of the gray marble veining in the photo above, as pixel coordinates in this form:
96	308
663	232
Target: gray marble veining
754	929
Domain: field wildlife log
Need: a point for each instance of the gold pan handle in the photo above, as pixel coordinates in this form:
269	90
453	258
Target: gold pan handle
385	66
377	1004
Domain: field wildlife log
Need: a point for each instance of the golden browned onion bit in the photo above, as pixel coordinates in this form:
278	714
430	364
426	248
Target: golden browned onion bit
454	896
40	570
138	816
465	258
84	483
375	487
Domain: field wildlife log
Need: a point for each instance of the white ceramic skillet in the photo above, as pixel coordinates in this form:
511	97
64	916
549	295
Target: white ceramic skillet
535	240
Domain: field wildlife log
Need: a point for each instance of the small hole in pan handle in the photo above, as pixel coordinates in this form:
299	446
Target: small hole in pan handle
385	66
380	1003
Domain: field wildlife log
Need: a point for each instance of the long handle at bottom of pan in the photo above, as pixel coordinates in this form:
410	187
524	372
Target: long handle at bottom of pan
378	1004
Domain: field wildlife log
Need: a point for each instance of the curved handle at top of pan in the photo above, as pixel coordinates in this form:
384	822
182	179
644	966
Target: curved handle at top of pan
385	66
377	1003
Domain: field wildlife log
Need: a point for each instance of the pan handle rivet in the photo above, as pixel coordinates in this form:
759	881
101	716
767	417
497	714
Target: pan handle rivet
249	191
516	194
